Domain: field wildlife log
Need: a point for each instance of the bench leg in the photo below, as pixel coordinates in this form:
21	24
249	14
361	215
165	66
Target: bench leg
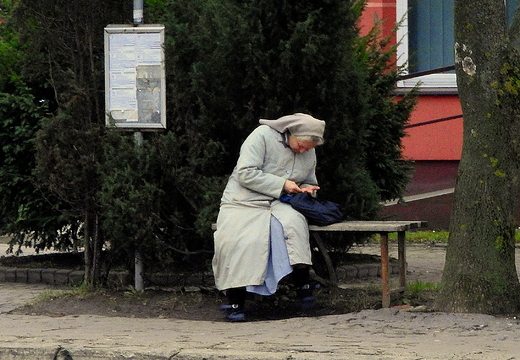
385	273
401	255
328	262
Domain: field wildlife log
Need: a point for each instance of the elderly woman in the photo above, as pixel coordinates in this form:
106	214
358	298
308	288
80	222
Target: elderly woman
259	239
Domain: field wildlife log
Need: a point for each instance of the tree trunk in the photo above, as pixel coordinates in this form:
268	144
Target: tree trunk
97	248
480	274
93	250
87	254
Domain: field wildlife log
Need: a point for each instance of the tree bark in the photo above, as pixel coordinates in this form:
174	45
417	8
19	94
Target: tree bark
480	273
93	250
87	254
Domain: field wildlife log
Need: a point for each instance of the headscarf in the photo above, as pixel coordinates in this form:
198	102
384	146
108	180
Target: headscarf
298	125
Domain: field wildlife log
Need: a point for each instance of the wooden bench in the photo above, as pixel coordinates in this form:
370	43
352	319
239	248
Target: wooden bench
376	227
381	227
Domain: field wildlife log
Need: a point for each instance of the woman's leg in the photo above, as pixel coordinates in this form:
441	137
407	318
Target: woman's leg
304	289
235	308
300	275
236	296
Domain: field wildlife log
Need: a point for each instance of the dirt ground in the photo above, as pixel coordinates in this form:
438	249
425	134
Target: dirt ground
356	327
203	303
200	305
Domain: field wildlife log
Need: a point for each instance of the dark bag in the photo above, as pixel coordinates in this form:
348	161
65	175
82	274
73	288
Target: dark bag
318	212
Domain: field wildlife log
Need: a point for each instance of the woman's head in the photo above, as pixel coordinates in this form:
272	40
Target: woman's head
301	144
301	126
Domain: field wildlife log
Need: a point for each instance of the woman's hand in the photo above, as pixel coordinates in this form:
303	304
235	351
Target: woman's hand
310	189
291	187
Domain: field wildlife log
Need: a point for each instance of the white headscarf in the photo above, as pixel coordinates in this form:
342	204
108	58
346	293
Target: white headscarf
298	125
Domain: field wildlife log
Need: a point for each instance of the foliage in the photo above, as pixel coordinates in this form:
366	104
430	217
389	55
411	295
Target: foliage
229	63
387	114
29	214
62	46
25	211
68	152
418	286
419	293
9	54
126	192
433	236
130	197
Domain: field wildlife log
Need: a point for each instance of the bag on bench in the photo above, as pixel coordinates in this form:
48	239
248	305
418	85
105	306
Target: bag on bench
318	212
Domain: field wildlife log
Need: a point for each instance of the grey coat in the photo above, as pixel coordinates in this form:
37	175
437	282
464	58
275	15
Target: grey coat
249	200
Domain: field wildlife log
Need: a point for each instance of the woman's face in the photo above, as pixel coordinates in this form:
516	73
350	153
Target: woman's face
300	146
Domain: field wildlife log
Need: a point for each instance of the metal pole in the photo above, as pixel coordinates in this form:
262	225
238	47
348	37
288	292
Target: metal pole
138	261
138	12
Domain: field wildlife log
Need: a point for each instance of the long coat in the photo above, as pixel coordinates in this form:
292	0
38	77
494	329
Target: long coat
249	201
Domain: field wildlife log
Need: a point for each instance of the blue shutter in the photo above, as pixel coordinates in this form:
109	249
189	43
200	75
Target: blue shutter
430	33
430	29
510	9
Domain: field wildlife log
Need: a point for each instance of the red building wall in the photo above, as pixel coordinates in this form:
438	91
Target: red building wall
439	141
378	10
435	147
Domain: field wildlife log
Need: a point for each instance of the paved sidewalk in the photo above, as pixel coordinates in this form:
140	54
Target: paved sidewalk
379	335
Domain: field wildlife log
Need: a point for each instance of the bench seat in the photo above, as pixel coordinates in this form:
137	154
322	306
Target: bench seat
377	227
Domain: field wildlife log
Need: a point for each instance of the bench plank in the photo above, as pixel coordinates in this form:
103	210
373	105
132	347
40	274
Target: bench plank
371	226
381	227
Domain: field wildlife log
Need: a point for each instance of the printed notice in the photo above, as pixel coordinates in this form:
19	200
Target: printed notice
134	76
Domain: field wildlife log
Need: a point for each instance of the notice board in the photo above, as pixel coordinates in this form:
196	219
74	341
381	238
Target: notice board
135	88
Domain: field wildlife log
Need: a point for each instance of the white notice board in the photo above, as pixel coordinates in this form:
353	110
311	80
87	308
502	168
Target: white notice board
135	88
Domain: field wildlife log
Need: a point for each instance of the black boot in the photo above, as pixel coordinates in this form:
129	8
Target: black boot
235	308
303	287
305	295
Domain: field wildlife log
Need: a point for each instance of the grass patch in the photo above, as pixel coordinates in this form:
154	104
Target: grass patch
430	236
51	295
419	237
420	294
418	287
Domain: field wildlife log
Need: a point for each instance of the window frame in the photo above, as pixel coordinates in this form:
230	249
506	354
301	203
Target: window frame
434	83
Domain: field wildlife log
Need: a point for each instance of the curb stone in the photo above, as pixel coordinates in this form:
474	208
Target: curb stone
63	354
122	278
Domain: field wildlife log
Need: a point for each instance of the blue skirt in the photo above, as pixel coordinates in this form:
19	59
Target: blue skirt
278	265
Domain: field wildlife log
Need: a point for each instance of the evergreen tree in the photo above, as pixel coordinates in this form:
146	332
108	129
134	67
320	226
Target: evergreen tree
63	54
234	62
229	63
27	213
